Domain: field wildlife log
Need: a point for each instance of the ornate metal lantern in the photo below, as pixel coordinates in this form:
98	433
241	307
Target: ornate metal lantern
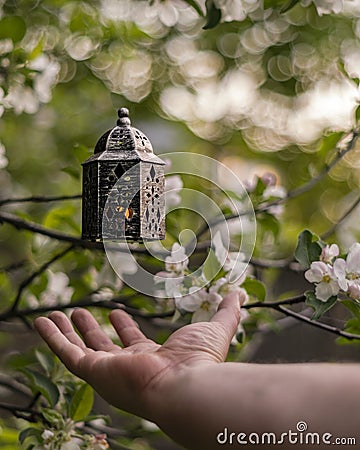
123	187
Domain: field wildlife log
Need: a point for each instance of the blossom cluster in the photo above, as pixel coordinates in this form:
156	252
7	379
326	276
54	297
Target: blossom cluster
62	440
192	292
267	190
333	274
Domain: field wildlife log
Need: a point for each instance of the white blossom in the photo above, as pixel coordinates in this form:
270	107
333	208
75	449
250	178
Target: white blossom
354	291
98	442
323	276
223	287
3	159
58	290
329	252
178	261
173	185
201	303
47	436
232	262
237	268
348	272
22	99
326	6
274	191
172	282
71	445
277	192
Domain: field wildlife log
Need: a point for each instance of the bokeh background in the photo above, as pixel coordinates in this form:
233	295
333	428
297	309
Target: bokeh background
268	87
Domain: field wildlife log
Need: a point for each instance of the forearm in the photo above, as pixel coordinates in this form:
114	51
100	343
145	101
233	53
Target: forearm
252	398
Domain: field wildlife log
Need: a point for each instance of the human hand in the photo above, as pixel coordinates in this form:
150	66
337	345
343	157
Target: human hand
132	378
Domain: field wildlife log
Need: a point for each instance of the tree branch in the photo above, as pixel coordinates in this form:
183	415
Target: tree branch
21	412
35	274
22	224
13	266
39	199
317	324
347	213
9	383
279	306
76	241
293	193
88	301
287	301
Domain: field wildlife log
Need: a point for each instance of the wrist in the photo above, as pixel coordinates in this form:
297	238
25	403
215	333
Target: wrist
173	399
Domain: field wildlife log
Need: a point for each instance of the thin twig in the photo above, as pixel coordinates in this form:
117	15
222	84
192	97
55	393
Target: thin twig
317	324
21	412
271	263
291	194
88	301
39	199
35	274
22	224
347	213
10	384
76	241
287	301
13	266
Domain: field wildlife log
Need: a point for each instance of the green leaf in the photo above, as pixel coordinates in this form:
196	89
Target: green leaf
42	384
37	50
255	288
329	142
353	307
58	217
319	306
46	361
357	114
82	403
12	27
211	266
268	222
52	416
259	188
307	251
352	326
72	171
213	15
31	431
81	152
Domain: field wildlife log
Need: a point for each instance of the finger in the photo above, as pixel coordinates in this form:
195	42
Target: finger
69	353
228	313
126	328
90	330
65	326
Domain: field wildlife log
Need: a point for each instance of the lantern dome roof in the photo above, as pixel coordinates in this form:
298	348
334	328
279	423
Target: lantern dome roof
124	142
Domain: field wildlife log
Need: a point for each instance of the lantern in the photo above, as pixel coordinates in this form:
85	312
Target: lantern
123	187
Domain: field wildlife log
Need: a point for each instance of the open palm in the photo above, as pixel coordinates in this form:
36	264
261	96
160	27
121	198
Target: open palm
129	377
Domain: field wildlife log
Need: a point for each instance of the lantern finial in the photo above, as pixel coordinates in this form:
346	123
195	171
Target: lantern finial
123	119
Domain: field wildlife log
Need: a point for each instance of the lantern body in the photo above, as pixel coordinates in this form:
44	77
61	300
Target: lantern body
123	187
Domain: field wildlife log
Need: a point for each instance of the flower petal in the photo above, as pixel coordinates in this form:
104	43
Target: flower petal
324	291
353	259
